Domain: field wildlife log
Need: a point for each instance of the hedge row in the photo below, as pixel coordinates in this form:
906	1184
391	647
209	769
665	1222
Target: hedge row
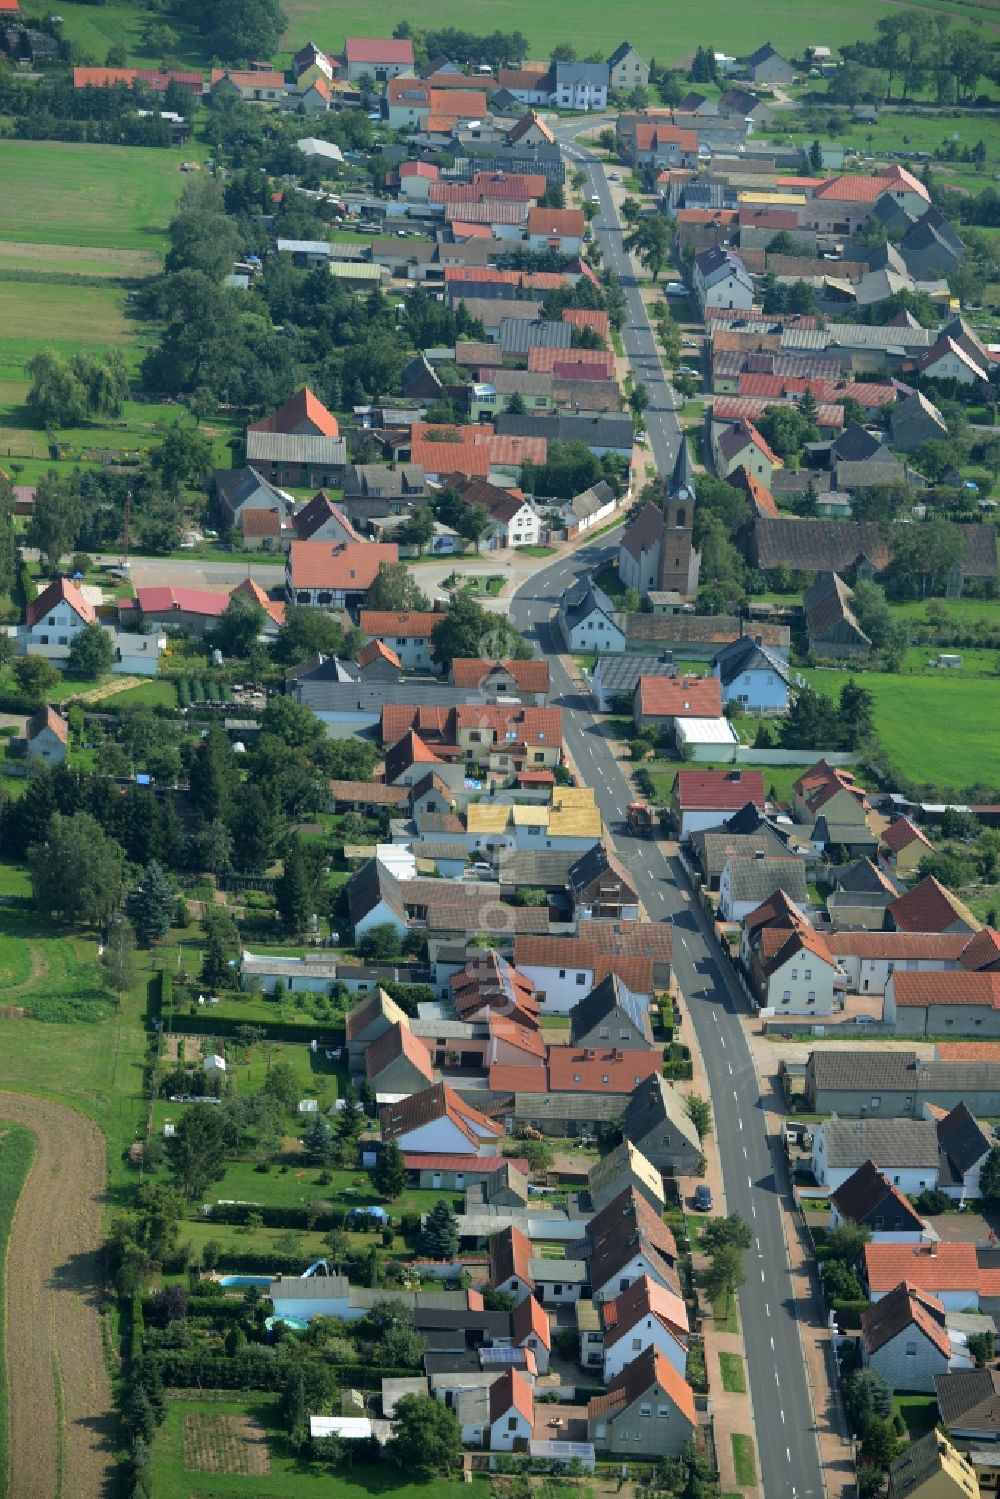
201	1024
255	1368
278	1217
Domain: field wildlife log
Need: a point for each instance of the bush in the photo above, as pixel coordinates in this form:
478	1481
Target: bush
849	1314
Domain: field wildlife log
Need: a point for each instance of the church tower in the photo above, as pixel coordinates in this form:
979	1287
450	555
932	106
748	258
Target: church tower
679	562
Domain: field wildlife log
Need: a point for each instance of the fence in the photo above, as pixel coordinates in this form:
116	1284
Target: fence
742	755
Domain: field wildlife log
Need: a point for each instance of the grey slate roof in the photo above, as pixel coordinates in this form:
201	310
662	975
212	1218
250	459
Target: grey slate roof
756	879
906	1144
611	430
592	864
970	1398
620	672
714	849
604	1002
289	447
517	336
857	1069
652	1102
644	532
543	867
745	655
585	600
594	73
962	1139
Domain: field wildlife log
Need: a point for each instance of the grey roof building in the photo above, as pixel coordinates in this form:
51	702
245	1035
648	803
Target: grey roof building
603	433
657	1122
743	655
611	1014
904	1144
754	880
518	335
713	848
617	675
832	625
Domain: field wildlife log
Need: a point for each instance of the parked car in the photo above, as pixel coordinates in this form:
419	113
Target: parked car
702	1199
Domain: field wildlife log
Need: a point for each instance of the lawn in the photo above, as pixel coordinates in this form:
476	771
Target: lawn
17	1147
917	132
778	779
115	197
939	729
153	694
726	1314
919	1412
734	1380
284	1474
606	578
744	1460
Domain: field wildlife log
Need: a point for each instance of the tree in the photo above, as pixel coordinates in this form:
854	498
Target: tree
381	944
118	957
841	1282
389	1173
307	632
56	397
54	524
214	775
699	1111
474	524
239	626
427	1438
922	557
318	1142
724	1274
857	715
982	1347
151	905
219	931
816	157
396	588
734	1231
639	399
292	889
469	630
35	675
650	241
866	1395
78	872
419	528
845	1242
989	1178
400	1348
439	1236
538	1153
91	652
880	1445
811	722
351	1118
196	1151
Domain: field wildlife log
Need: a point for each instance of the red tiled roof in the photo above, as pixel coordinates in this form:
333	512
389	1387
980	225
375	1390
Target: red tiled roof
512	1392
982	950
254	522
530	676
275	608
397	1041
943	987
929	907
418	1161
58	592
414	624
851	188
379	50
529	1316
509	1254
942	1267
375	792
643	1298
376	650
165	599
680	697
637	1378
967	1051
588	317
508	1077
761	497
458	103
48	718
577	1069
545	361
419	169
437	1102
302	407
899	946
901	834
564	222
249	78
648	137
352	566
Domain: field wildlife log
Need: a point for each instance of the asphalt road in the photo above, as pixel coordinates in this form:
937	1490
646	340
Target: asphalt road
788	1455
660	418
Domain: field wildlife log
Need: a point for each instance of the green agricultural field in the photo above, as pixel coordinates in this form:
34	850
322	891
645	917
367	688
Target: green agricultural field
668	35
918	132
112	197
248	1469
939	729
17	1148
40	314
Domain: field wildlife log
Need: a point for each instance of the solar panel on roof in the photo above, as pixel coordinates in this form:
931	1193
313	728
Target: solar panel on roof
631	1004
501	1355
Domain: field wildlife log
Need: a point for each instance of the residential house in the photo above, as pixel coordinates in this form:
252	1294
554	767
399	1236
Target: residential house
969	1405
914	421
703	799
648	1410
601	432
645	1315
712	847
558	229
720	279
948	1271
656	1121
833	792
903	847
906	1150
515	521
581	85
299	444
242	490
47	737
935	1003
929	907
627	1241
868	958
741	446
494	680
745	883
256	86
624	1168
791	967
437	1122
931	1468
904	1339
398	1062
869	1199
965	1147
752	675
530	132
405	632
52	619
565	969
337	575
660	701
589	621
512	1412
766	65
626	69
531	85
832	626
381	58
930	247
601	886
896	1084
531	1330
953	359
510	1256
366	1023
322	520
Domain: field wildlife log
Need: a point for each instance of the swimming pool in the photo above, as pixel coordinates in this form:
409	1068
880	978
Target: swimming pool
244	1280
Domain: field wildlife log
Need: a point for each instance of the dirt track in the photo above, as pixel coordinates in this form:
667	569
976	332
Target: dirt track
56	1375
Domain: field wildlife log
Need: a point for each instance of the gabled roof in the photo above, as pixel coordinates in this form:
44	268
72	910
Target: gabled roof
644	1298
414	624
301	409
904	1308
351	566
529	676
59	592
376	651
648	1369
376	1005
407	751
743	655
608	999
524	126
963	1139
982	952
512	1392
397	1041
930	1267
929	907
47	718
390	50
893	1144
680	697
437	1102
599	865
625	1226
530	1317
970	1399
860	1197
718	790
509	1255
941	987
644	532
585	1069
755	879
653	1102
316	513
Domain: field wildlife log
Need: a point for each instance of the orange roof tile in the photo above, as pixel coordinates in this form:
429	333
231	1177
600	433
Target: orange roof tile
415	624
302	407
680	697
577	1069
349	565
941	1267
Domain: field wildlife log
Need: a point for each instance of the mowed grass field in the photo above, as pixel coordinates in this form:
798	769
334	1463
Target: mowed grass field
669	34
16	1151
110	197
939	730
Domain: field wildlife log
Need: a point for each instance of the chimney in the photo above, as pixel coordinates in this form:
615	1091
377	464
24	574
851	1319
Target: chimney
735	775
